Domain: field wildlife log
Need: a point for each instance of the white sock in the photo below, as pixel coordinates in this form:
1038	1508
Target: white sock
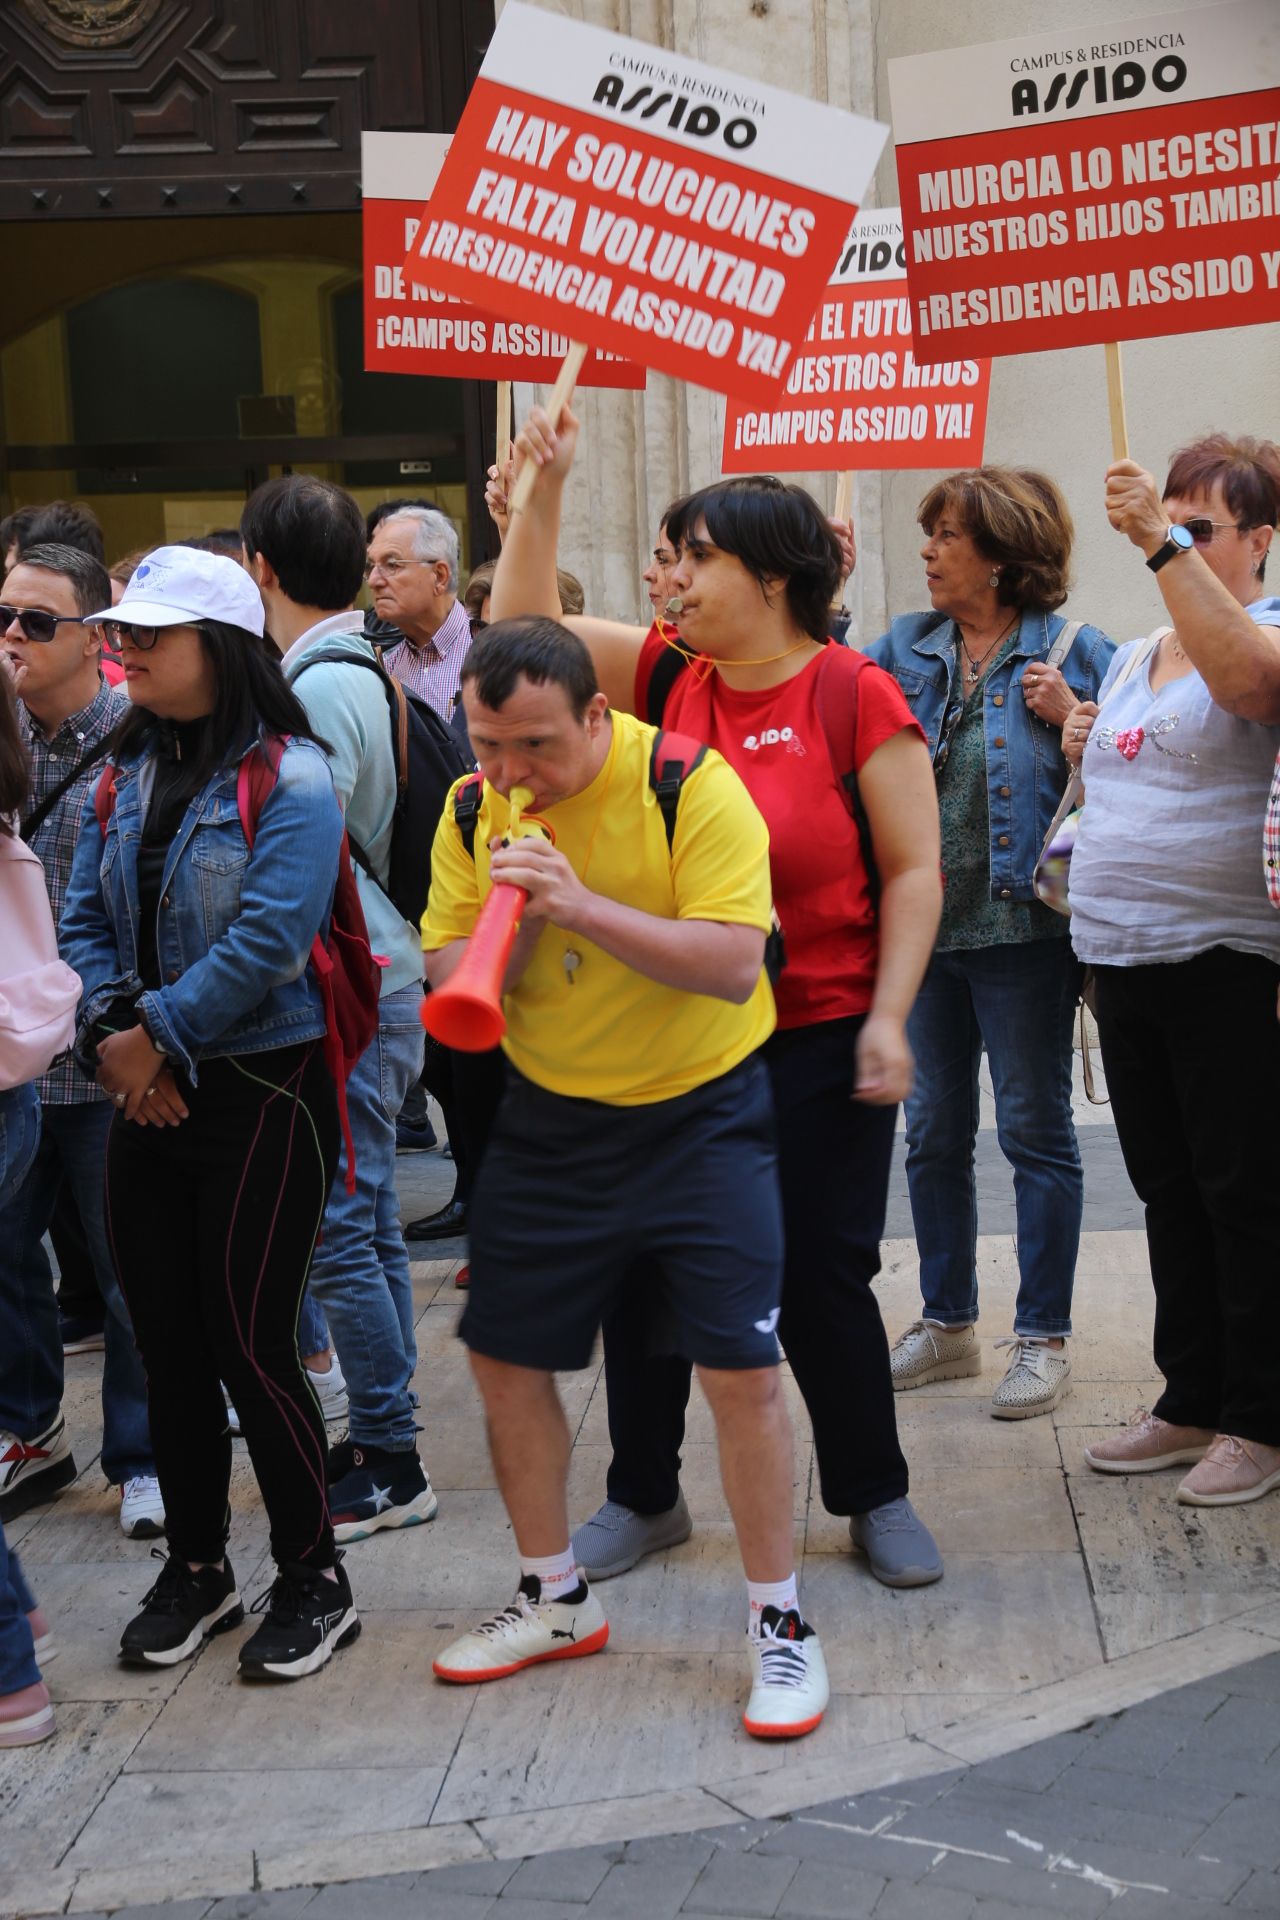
557	1574
770	1593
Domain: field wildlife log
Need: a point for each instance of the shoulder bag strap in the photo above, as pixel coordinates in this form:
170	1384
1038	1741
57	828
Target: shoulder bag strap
39	814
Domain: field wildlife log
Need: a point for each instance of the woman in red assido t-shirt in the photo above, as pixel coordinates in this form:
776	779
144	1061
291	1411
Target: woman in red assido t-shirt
757	568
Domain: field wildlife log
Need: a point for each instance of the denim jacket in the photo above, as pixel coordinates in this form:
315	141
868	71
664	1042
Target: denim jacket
1026	772
235	929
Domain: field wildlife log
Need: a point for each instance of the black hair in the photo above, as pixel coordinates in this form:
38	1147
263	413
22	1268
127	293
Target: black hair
88	576
541	650
15	768
223	540
251	696
312	533
65	523
777	532
13	529
388	508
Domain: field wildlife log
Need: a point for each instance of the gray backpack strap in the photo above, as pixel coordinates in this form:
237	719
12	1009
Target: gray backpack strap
1063	644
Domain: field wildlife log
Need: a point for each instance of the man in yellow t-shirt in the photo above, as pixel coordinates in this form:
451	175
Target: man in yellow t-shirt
636	1125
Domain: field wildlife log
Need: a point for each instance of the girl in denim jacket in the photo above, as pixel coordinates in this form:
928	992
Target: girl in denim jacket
201	1020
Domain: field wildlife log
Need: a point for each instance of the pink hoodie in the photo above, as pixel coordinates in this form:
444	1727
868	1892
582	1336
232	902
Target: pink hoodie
38	992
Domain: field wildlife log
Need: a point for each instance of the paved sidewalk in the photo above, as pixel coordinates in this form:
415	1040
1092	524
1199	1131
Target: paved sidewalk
1068	1597
1171	1808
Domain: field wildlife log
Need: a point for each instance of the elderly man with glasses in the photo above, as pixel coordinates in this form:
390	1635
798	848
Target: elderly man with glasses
412	573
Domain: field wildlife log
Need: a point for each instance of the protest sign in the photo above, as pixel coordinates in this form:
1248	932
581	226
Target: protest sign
418	329
1093	184
856	397
643	201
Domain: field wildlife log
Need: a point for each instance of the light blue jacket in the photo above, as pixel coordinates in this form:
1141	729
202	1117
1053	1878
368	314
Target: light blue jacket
349	710
1026	772
234	929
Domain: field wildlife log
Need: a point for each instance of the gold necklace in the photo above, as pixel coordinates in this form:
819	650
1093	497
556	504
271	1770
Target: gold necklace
572	959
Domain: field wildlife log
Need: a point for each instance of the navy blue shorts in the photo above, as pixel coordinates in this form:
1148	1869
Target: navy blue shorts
572	1194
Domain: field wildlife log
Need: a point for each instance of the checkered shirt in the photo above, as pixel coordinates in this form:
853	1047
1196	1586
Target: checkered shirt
434	671
54	841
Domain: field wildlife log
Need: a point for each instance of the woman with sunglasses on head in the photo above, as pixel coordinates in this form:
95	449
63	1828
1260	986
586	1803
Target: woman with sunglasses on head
203	1023
981	674
1170	907
830	754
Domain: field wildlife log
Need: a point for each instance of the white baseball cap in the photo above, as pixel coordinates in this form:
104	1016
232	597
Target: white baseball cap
175	585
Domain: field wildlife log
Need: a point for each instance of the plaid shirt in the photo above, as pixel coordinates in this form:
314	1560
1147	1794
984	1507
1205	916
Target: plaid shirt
434	671
1271	838
54	841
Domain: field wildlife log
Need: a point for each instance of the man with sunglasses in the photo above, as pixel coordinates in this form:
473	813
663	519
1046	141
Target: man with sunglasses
67	713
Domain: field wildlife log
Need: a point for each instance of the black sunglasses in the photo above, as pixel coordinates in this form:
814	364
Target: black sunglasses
116	632
1203	529
35	623
477	625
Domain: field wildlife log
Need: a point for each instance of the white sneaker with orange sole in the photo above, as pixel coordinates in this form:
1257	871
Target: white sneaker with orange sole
789	1686
527	1632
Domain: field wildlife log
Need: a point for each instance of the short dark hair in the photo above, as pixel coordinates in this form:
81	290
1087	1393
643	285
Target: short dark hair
88	576
1017	519
312	533
223	540
537	649
387	511
777	532
13	527
1247	470
65	523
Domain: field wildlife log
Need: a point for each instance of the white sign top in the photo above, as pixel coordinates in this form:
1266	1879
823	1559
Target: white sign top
874	249
629	84
401	166
1082	71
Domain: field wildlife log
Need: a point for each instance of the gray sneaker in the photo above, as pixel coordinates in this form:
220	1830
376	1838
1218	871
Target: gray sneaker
613	1539
900	1549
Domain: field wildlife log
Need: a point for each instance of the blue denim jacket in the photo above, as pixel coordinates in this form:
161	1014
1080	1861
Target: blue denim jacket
235	929
1026	772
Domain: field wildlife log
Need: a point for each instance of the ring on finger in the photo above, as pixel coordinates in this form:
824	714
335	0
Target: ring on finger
119	1098
150	1091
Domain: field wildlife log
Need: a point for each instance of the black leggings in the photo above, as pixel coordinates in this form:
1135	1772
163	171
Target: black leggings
212	1226
833	1162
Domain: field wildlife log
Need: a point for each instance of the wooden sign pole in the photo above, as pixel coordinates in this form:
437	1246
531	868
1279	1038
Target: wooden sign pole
503	449
844	495
561	394
1115	401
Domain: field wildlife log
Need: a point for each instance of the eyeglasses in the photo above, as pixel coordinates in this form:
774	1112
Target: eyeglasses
390	568
1202	530
476	624
116	632
35	623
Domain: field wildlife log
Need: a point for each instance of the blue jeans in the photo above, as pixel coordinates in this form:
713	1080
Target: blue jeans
313	1334
1019	1001
19	1136
73	1146
360	1273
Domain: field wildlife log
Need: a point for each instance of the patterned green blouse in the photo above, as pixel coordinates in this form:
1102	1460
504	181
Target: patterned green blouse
970	917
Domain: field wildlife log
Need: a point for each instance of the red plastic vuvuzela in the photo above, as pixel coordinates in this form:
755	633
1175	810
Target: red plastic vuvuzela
466	1013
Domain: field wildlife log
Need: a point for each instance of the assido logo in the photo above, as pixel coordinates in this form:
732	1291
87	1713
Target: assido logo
1100	84
774	737
704	121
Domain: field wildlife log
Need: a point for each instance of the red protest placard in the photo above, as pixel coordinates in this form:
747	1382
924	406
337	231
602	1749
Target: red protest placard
643	202
856	398
1094	184
415	329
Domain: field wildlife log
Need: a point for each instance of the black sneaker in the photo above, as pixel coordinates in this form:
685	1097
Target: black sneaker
308	1618
379	1489
415	1136
180	1611
342	1457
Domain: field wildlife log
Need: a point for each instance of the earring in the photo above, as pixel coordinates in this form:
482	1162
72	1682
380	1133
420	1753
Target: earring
995	577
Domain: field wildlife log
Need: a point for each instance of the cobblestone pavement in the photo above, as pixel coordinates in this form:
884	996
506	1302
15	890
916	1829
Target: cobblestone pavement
1169	1810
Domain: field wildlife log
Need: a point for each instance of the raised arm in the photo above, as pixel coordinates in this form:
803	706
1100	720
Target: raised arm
525	580
1238	660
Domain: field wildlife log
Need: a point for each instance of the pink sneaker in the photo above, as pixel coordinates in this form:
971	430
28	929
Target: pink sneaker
1231	1472
25	1716
1147	1444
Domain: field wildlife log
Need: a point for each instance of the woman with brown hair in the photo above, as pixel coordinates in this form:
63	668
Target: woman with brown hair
989	678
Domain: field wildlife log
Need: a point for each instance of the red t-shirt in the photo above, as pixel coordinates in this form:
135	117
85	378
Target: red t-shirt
775	740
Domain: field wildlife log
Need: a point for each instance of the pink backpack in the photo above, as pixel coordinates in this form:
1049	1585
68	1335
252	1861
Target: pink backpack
39	993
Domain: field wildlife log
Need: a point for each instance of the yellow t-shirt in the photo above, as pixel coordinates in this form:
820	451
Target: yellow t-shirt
607	1033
